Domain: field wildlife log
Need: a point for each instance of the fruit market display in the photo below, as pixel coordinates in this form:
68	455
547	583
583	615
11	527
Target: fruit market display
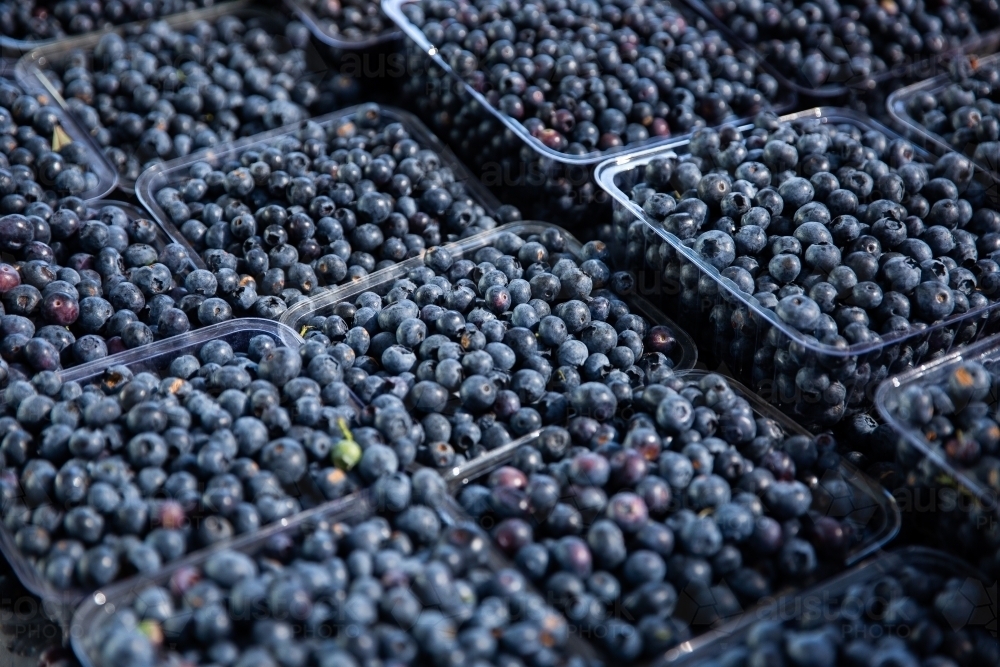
517	333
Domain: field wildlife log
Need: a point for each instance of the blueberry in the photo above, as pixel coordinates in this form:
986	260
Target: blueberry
785	267
933	300
796	192
478	393
717	248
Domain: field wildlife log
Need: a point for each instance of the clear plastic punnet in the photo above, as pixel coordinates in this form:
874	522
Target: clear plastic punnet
16	46
732	326
176	172
97	164
949	453
321	29
823	601
31	67
898	105
394	8
547	184
162	239
97	612
868	508
921	67
298	316
155	357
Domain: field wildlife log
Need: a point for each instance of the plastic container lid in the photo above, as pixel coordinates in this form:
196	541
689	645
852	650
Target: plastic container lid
394	9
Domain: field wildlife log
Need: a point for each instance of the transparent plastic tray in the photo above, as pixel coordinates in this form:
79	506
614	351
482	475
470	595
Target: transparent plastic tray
336	40
161	241
381	282
297	317
101	605
164	236
394	9
107	177
16	46
980	43
872	509
544	188
899	99
636	236
154	357
175	172
157	356
30	68
986	352
11	47
826	597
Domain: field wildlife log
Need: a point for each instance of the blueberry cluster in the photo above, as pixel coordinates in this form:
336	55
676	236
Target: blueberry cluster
410	588
966	113
491	348
79	283
909	614
543	188
133	470
348	20
164	93
39	161
37	20
324	206
958	417
586	76
824	42
844	235
645	529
